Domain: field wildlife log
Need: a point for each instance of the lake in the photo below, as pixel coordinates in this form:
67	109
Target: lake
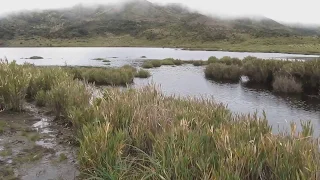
188	80
84	56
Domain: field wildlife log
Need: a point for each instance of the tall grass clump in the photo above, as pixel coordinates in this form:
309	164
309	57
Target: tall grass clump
147	65
217	71
41	98
43	78
66	95
106	76
143	74
307	72
199	63
142	134
262	71
285	84
156	63
14	84
168	62
229	61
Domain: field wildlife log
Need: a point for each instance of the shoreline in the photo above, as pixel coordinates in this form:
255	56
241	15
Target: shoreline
170	47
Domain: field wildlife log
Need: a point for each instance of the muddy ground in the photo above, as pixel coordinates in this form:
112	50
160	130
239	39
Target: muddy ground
33	146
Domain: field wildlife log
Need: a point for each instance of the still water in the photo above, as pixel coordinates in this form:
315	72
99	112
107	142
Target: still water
187	80
84	56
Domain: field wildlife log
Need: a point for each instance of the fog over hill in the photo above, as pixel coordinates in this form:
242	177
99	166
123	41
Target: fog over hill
141	19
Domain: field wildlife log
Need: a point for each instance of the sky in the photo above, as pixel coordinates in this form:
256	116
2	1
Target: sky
290	11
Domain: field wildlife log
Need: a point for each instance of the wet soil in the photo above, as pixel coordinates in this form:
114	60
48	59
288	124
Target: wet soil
33	146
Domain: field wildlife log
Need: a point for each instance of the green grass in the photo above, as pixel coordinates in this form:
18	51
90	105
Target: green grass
170	62
296	45
222	72
147	65
143	74
143	134
105	76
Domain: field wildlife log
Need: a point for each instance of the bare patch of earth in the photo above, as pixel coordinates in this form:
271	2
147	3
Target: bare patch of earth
35	147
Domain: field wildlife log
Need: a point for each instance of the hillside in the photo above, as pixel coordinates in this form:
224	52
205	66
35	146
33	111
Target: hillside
138	20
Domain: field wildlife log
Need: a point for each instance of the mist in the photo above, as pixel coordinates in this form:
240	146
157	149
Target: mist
290	12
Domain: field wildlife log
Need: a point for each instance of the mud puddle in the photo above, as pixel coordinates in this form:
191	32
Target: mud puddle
34	147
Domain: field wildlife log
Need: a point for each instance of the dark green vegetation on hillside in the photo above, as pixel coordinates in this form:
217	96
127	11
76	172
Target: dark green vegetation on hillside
283	76
141	23
142	134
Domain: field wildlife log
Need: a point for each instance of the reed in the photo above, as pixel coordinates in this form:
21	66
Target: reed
14	84
285	84
143	74
222	72
142	134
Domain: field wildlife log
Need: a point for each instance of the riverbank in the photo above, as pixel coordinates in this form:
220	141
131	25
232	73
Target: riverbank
143	134
292	45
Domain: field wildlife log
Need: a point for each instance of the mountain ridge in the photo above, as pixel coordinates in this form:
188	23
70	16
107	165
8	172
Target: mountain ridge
143	20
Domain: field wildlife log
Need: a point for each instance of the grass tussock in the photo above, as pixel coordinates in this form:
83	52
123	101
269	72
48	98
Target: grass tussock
45	84
170	62
225	60
147	65
143	74
105	76
300	76
221	72
286	84
141	133
14	84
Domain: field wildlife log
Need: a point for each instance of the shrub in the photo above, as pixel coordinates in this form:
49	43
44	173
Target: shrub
285	84
143	74
219	71
14	83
